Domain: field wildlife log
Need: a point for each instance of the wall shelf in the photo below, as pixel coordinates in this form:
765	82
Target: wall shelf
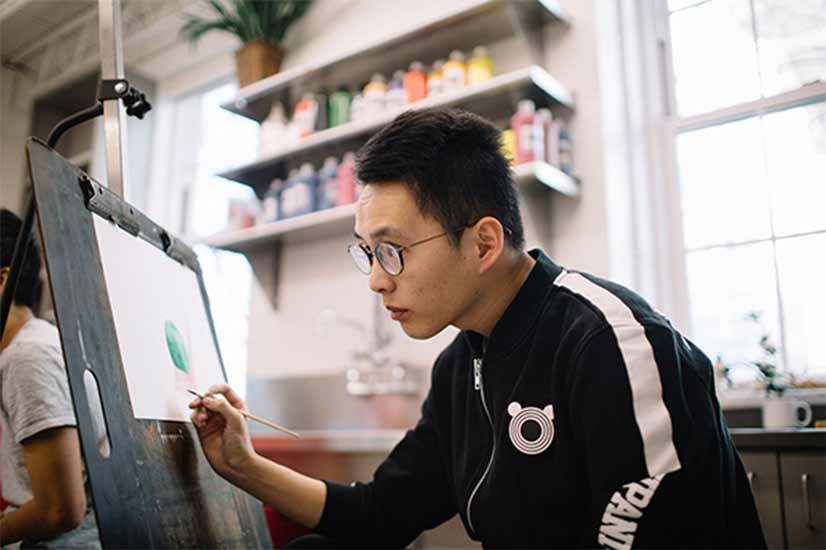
494	99
339	221
465	26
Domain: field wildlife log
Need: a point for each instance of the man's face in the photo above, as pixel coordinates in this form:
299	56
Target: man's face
437	284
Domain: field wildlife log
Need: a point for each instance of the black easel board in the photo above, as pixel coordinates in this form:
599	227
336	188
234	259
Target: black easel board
156	488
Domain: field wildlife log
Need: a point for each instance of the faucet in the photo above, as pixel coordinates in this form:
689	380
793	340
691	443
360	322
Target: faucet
374	371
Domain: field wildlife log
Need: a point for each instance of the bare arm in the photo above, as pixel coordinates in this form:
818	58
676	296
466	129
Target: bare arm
228	447
58	503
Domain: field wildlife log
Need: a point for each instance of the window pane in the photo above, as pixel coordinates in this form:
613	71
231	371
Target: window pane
226	140
801	263
722	187
725	285
715	63
791	43
796	164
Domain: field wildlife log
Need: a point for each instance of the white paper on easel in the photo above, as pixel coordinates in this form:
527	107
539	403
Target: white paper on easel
161	322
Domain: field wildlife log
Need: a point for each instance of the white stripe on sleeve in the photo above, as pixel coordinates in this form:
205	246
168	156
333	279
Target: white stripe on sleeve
652	416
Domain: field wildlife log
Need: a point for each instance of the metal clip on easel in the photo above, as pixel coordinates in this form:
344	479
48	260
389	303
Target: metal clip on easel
112	89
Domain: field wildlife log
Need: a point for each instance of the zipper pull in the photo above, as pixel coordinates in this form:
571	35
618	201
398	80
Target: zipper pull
477	373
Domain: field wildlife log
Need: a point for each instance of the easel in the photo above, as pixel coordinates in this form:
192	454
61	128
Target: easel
154	488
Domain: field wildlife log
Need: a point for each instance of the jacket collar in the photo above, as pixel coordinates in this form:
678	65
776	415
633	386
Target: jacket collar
523	311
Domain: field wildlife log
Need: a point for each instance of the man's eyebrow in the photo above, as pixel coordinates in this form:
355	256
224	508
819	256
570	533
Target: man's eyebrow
383	231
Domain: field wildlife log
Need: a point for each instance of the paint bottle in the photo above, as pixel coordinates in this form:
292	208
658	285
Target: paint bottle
304	115
321	112
394	101
415	83
375	94
272	197
357	107
480	66
327	187
298	195
541	132
435	84
522	126
509	146
454	73
339	108
566	153
346	180
553	143
273	132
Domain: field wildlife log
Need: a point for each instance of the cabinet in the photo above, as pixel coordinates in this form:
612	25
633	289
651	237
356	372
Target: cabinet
764	477
804	498
787	472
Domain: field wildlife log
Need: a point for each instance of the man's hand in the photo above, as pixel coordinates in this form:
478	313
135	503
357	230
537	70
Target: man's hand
223	431
227	445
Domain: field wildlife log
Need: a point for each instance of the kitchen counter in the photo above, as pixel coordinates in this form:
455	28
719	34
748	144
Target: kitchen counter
330	441
804	439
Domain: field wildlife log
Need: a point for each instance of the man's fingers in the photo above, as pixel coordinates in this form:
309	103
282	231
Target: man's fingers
222	407
233	398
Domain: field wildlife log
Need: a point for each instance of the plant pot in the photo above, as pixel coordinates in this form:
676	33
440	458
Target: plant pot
256	60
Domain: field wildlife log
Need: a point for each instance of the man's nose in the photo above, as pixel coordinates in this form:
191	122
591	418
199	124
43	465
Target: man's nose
380	282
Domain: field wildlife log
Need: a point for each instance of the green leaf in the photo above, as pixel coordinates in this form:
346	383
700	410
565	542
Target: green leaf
176	346
195	28
249	19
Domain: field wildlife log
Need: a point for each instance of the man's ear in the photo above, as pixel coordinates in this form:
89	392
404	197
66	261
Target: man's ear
4	273
490	242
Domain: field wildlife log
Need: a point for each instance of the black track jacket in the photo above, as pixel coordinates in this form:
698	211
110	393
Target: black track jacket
585	419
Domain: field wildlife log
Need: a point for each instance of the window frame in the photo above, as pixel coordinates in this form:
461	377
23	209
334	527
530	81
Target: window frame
674	125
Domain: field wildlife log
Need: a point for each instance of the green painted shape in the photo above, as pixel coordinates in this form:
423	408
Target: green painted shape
176	347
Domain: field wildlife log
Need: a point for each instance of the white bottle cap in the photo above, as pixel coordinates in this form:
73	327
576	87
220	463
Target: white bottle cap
480	51
526	106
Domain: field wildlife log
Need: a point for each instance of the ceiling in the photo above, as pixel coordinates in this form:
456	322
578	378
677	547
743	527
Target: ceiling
25	21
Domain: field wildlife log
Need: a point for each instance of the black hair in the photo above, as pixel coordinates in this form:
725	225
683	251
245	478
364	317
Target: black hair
453	163
29	285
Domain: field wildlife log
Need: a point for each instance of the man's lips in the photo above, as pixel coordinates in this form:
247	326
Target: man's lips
396	312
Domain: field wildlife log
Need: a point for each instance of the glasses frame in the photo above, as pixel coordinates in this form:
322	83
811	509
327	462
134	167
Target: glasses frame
400	249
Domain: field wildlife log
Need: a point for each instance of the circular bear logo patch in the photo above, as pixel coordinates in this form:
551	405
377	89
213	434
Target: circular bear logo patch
529	418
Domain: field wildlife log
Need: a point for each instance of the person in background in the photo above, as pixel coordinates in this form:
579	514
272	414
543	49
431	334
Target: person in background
566	413
41	469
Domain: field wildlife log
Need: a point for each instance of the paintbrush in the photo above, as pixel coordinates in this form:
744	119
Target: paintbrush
256	418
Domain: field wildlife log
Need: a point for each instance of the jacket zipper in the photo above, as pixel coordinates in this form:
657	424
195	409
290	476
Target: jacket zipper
478	385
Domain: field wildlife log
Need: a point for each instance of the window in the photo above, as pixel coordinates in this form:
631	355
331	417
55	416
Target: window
749	80
209	139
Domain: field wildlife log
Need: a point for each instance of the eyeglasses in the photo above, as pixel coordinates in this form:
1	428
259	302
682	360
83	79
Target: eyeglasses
389	255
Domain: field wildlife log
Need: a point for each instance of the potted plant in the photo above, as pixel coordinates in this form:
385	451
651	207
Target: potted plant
767	364
261	25
771	380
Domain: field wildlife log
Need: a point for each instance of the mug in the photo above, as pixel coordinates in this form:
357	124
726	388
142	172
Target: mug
783	413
